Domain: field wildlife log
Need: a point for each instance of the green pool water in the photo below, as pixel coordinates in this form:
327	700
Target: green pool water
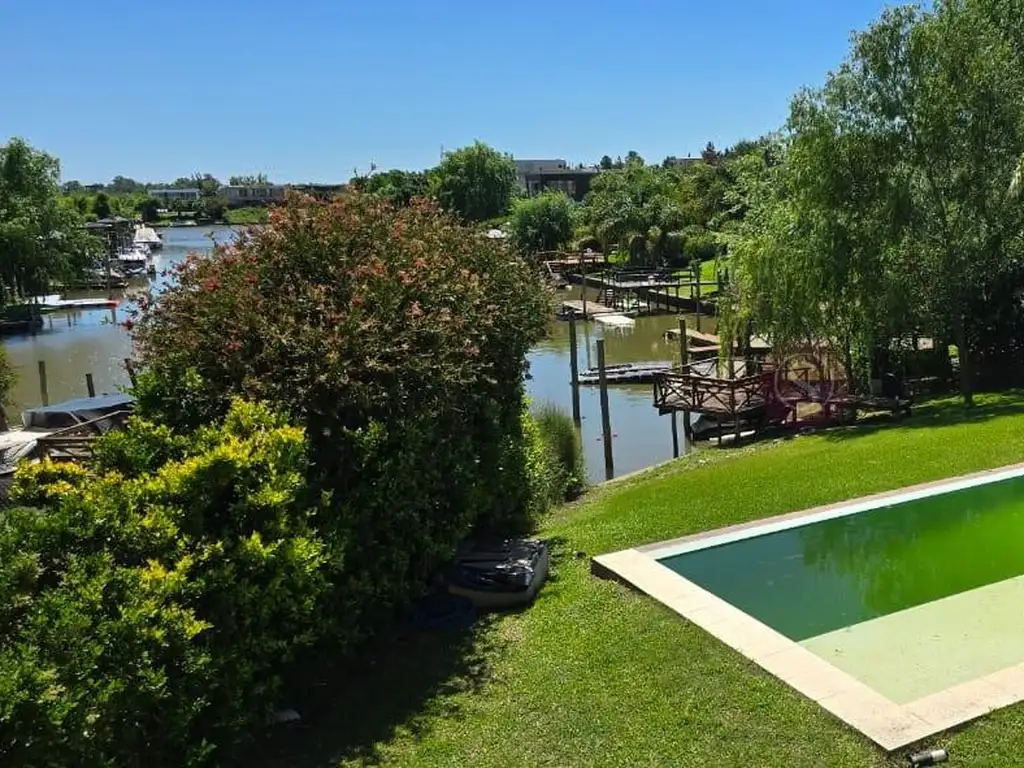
826	575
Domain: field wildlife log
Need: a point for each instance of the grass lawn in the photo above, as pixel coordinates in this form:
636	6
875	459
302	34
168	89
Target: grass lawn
595	675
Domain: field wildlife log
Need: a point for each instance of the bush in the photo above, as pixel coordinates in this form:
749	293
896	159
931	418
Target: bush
563	453
701	246
542	223
399	340
148	607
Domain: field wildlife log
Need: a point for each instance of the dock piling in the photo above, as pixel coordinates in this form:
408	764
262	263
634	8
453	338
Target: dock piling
43	392
89	386
675	436
606	424
574	365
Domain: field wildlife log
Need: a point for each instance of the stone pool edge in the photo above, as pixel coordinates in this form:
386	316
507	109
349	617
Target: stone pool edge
889	725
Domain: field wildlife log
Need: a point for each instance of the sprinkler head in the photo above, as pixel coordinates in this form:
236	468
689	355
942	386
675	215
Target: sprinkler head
929	757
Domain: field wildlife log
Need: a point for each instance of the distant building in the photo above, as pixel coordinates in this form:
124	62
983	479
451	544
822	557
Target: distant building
536	176
319	191
528	168
173	194
237	195
682	162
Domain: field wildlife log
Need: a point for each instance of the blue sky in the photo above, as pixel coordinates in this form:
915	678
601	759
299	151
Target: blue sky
307	90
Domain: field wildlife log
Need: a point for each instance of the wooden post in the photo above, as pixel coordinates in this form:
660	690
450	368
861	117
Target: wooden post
131	370
684	346
574	365
696	308
89	386
583	287
606	424
675	435
43	393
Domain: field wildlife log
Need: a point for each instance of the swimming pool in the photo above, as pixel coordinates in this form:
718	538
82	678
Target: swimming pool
902	613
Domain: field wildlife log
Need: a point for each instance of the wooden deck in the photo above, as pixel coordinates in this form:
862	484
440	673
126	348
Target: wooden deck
730	399
593	308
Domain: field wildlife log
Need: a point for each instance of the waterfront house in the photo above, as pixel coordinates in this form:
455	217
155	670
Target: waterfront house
536	176
170	195
239	195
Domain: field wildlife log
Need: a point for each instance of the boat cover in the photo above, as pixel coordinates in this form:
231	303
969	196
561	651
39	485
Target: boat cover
71	412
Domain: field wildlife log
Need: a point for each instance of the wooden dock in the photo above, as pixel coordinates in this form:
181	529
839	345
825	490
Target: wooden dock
626	373
575	306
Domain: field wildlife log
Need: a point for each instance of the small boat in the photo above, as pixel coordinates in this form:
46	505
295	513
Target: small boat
134	260
149	237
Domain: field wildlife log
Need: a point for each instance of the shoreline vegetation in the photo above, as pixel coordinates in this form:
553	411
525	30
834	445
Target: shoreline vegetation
328	410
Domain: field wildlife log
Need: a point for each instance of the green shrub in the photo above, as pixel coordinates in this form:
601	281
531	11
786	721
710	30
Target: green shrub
398	339
542	223
563	452
149	613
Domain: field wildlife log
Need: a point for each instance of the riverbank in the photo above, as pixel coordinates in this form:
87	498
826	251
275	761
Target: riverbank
596	675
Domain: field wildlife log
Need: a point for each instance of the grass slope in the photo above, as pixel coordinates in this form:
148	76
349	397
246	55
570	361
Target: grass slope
594	675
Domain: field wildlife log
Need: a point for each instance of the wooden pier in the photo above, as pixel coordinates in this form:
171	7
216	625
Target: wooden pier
625	373
586	309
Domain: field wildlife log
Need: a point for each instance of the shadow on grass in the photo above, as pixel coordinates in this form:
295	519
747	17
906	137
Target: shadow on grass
943	411
405	680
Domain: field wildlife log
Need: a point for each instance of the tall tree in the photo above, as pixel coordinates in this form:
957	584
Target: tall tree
475	182
41	237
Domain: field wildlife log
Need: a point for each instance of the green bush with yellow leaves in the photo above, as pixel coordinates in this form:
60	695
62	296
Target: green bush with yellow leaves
149	604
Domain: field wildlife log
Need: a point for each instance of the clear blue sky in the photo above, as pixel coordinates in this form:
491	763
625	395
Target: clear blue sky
307	90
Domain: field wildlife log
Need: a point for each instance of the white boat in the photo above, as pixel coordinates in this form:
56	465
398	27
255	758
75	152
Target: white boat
148	237
133	261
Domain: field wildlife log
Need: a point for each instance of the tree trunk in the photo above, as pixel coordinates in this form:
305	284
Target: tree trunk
964	352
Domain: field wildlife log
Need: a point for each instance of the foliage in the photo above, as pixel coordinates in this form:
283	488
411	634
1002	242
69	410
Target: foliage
249	215
626	204
150	606
563	453
396	187
101	206
475	182
378	329
149	209
41	239
893	212
259	179
542	222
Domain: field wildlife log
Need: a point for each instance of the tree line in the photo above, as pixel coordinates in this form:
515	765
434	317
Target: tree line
895	210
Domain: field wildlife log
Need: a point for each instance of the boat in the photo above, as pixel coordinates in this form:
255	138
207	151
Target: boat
134	260
148	237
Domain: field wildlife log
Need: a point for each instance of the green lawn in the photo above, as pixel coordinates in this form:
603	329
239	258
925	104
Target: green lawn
594	675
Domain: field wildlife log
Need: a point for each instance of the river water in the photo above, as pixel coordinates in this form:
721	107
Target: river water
72	344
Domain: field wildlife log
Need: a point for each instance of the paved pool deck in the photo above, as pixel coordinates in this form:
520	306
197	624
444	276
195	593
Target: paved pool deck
897	679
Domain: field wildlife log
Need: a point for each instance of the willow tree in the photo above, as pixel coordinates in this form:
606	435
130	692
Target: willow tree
946	90
891	211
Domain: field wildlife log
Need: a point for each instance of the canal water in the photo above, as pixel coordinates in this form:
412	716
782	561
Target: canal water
72	344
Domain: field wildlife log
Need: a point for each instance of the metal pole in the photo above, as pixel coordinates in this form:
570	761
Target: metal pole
606	424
